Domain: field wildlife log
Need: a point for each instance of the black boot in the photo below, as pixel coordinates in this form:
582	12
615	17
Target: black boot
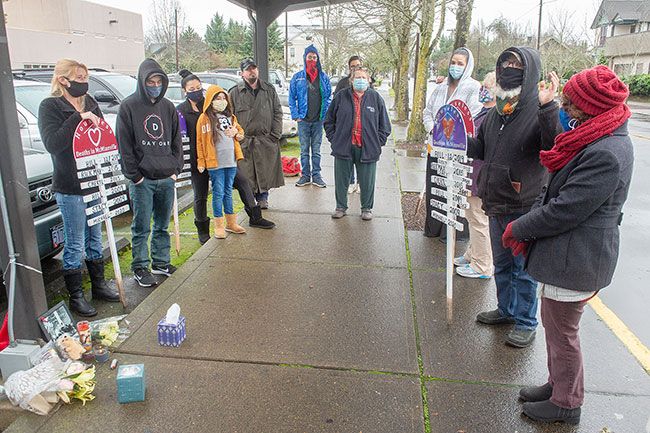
545	411
100	288
78	303
203	229
256	219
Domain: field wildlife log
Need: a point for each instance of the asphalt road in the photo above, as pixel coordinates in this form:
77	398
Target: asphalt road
629	294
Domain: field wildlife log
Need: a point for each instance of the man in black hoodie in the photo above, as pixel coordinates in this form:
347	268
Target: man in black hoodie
149	140
509	141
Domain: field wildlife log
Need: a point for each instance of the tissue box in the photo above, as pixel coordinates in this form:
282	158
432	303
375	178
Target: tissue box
170	334
130	383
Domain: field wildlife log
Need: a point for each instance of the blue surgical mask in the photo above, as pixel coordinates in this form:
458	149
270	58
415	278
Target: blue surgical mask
568	123
456	71
154	91
360	84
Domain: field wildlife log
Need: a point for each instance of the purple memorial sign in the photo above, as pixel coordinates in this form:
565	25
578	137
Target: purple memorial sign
449	129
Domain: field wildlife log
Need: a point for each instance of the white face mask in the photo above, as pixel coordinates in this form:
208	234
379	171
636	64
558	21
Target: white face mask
219	105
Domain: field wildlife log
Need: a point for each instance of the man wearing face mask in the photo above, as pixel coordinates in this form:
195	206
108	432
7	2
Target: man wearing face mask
149	140
258	110
309	96
509	142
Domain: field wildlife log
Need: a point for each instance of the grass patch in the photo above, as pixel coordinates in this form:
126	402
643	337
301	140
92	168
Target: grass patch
291	148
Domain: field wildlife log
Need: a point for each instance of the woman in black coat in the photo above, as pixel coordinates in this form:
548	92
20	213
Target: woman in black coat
58	118
571	235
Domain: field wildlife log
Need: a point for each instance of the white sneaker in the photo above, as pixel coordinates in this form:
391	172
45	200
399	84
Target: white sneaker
469	272
461	261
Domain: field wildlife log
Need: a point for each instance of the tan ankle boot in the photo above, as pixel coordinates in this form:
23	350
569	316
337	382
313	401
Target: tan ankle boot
232	226
219	231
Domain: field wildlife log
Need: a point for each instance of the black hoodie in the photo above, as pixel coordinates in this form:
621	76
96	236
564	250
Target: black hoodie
512	176
148	134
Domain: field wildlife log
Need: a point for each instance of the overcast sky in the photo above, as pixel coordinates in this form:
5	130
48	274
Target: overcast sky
200	12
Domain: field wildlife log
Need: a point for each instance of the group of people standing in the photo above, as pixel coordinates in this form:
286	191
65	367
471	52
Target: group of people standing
548	186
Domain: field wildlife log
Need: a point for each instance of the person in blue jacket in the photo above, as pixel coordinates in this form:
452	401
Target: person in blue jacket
309	97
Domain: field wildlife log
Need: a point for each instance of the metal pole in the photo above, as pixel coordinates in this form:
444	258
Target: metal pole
286	45
176	35
30	292
539	24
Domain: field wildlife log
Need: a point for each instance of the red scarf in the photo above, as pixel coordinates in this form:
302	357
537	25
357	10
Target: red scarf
570	143
312	70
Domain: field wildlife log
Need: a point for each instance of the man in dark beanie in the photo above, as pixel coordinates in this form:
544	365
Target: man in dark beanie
571	235
509	141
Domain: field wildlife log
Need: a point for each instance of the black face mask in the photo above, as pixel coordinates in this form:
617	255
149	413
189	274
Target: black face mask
196	96
511	78
77	89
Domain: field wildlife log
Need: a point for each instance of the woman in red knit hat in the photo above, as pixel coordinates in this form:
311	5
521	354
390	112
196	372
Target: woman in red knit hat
571	236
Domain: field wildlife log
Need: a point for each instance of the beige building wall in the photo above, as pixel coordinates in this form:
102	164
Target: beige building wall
42	31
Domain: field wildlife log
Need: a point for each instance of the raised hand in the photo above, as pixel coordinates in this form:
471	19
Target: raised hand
548	91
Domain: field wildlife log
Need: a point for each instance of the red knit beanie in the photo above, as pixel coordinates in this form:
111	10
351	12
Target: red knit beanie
596	90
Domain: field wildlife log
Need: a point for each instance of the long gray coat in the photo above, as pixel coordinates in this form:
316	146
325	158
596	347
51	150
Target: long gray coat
261	118
573	225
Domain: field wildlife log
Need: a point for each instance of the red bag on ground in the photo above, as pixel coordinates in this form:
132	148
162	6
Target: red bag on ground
4	334
290	166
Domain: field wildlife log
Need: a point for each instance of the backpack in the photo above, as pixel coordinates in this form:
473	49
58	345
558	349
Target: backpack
290	166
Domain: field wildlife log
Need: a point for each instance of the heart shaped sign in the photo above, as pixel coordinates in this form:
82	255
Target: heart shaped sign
448	127
95	136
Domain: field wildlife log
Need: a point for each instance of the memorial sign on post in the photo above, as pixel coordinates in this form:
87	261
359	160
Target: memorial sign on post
449	146
183	178
102	183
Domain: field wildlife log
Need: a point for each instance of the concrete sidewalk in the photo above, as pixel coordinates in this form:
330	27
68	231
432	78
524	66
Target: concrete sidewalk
339	326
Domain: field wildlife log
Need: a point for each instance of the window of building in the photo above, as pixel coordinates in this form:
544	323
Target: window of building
292	52
633	28
37	66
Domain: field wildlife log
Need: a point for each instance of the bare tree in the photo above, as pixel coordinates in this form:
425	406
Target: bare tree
431	14
162	26
463	21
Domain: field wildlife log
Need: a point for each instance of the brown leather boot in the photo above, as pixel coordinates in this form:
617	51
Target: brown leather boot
232	226
219	231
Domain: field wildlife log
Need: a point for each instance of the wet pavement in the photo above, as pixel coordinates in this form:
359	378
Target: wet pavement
325	325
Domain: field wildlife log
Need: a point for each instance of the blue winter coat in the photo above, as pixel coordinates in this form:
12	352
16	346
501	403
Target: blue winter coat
298	89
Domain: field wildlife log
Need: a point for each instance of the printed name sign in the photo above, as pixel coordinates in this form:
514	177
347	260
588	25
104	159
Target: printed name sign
97	158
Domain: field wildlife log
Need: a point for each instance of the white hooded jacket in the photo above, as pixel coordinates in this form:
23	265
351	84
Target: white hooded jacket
467	91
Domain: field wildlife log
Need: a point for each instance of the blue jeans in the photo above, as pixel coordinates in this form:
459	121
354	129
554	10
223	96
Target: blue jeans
151	198
516	290
222	180
310	135
77	235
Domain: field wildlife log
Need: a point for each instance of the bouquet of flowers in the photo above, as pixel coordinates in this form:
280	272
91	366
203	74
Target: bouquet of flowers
78	383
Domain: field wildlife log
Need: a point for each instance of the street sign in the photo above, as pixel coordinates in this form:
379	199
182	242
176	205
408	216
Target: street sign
97	159
449	145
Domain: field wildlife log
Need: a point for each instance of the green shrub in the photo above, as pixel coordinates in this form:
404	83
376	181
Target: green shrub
639	84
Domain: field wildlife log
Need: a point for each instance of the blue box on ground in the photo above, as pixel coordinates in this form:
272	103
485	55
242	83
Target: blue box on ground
130	383
171	334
